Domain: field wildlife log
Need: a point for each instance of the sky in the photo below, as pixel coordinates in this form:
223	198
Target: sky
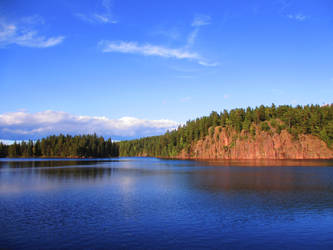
128	69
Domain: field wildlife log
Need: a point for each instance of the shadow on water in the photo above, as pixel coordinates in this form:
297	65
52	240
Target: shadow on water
267	163
210	175
264	178
32	163
156	203
280	184
62	173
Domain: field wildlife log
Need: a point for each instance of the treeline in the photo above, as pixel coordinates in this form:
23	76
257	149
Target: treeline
310	119
81	146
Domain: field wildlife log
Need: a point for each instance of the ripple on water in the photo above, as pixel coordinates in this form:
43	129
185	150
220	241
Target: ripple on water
155	203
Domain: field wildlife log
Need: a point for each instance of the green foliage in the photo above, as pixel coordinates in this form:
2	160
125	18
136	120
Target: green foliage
3	150
294	132
274	123
246	125
62	146
253	130
279	128
311	119
265	127
211	132
326	134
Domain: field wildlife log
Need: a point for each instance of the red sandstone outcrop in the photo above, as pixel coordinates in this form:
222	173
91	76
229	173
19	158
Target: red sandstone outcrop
228	144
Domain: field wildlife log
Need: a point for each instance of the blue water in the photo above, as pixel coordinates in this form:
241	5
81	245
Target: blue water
165	204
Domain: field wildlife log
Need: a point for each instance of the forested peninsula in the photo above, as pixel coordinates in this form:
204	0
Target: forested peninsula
265	132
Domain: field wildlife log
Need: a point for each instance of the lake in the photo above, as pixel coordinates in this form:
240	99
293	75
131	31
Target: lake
153	203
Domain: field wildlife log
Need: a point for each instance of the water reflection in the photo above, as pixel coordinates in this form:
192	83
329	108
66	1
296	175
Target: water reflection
267	163
264	179
209	175
77	173
32	163
133	203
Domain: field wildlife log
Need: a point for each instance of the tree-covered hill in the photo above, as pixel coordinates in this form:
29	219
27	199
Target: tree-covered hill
310	119
300	120
81	146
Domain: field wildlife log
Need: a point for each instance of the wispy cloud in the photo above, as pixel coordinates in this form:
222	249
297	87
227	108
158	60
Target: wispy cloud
298	17
198	21
171	33
283	4
153	50
288	9
24	33
148	49
24	125
102	16
95	18
207	64
201	20
192	37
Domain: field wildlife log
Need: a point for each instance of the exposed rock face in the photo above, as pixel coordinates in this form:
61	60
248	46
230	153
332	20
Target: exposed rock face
228	144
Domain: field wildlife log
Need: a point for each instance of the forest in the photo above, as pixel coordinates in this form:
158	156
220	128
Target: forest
310	119
81	146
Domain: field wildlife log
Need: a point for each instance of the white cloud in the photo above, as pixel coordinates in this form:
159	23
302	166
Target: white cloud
297	17
24	34
95	18
204	63
152	50
146	49
85	18
7	142
197	23
33	20
103	19
24	125
102	16
201	20
192	37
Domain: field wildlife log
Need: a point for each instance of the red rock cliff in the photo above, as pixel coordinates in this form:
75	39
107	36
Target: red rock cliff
227	144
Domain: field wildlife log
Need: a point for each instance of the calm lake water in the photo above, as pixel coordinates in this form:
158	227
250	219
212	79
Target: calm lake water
165	204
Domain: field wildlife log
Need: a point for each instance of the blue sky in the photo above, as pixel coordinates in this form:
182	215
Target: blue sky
137	68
